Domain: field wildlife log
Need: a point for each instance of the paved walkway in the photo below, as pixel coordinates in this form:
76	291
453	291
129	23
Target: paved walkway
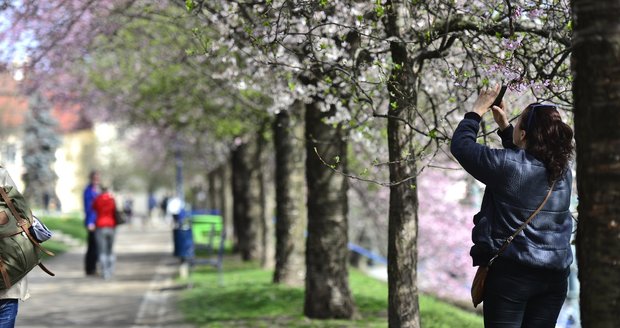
141	294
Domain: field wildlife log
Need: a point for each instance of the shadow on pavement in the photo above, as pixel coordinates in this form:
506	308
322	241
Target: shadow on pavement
142	292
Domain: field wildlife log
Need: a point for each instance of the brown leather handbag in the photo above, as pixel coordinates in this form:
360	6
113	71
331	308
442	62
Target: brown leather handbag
477	286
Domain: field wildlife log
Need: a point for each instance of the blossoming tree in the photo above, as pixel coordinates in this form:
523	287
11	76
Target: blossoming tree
403	70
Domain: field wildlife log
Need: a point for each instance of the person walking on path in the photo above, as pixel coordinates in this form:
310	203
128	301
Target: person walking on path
105	224
90	193
526	285
152	204
164	208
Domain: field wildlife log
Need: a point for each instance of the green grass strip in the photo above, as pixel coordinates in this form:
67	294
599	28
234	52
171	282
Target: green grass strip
73	225
245	297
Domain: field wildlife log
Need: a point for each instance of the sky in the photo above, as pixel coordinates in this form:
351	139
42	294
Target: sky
12	53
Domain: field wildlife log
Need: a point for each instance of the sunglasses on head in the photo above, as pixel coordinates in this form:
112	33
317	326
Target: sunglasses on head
530	114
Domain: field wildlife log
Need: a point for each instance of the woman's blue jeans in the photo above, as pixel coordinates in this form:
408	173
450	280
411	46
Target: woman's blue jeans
8	312
105	245
518	296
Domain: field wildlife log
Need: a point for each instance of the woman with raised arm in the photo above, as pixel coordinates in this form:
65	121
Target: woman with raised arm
528	187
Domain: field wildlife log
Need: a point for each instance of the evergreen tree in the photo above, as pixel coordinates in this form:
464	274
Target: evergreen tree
40	143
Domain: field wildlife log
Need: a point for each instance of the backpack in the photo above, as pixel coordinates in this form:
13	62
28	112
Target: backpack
19	249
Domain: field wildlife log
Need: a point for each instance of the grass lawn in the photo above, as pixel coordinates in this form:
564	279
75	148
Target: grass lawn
72	225
247	298
69	225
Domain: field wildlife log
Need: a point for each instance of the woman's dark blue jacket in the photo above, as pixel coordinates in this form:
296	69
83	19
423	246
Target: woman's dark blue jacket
516	184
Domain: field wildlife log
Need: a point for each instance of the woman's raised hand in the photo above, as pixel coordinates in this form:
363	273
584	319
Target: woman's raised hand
485	100
500	117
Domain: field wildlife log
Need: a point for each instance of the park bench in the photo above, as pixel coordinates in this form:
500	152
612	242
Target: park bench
209	238
375	258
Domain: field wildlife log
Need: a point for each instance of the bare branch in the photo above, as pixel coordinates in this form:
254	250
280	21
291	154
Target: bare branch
384	184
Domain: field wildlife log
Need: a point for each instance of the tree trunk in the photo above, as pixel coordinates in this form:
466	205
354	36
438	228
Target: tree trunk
596	89
239	181
256	202
248	199
226	200
268	255
291	213
403	307
327	285
212	190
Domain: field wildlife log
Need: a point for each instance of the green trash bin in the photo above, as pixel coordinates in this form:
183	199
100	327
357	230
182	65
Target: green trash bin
207	230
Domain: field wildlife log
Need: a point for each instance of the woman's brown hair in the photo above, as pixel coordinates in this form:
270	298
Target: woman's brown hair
548	138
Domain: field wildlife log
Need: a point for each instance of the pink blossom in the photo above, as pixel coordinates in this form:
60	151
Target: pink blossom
534	13
511	44
445	221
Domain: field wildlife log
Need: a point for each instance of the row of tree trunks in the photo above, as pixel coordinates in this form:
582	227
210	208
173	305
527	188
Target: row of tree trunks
596	92
326	279
320	259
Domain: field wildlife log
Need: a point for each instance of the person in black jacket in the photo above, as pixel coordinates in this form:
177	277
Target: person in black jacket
527	284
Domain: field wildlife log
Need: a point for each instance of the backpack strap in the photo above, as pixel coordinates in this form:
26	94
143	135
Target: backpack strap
46	270
21	222
24	224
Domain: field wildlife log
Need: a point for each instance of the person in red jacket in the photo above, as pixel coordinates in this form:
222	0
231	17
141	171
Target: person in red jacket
105	224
